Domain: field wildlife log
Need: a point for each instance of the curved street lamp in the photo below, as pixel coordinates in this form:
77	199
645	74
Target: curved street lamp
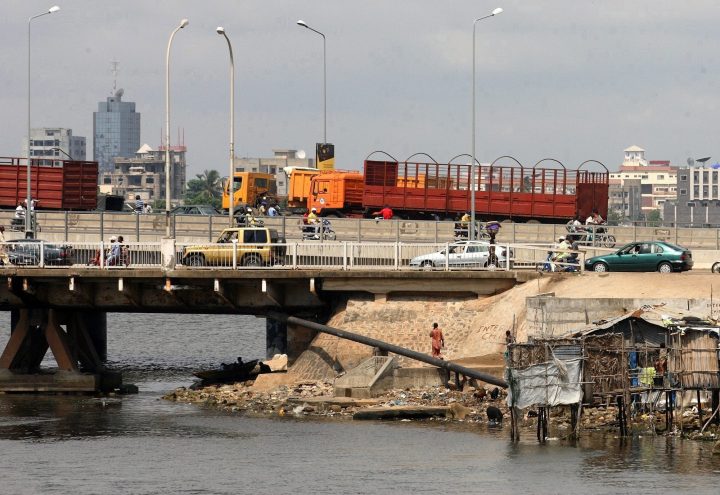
473	180
304	24
28	199
231	178
183	23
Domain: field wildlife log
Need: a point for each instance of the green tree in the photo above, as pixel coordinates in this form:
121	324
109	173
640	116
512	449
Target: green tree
614	217
205	188
653	218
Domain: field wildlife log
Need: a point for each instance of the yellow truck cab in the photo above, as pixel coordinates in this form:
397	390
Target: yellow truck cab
256	246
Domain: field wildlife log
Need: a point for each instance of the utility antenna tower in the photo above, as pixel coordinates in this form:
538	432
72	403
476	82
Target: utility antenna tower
114	69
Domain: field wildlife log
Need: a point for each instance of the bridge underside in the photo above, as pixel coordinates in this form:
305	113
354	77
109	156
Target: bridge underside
64	310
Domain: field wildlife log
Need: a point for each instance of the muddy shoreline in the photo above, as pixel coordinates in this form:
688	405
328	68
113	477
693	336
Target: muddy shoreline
315	400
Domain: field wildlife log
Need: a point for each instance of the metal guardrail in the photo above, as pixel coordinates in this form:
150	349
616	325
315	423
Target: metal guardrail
293	255
96	226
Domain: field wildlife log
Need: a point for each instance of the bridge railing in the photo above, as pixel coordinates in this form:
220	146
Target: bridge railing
289	256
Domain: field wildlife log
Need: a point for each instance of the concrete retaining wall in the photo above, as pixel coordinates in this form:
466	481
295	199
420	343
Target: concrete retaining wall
549	316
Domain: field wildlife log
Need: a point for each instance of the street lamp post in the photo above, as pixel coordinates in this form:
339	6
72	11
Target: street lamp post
28	199
231	177
183	23
473	180
63	152
303	24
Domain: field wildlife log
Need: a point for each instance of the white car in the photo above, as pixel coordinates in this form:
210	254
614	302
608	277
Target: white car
463	254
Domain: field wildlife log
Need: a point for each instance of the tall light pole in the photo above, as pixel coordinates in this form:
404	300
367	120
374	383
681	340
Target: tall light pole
473	180
303	24
28	199
231	178
183	23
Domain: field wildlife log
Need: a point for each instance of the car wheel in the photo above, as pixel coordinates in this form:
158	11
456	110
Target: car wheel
716	267
195	260
665	267
600	267
427	265
252	260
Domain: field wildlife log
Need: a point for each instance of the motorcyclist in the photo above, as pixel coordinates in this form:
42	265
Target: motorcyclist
560	254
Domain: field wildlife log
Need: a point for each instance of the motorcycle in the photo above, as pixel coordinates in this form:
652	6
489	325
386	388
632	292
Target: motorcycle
716	267
325	231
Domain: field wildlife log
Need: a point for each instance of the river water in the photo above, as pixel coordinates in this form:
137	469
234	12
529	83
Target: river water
141	444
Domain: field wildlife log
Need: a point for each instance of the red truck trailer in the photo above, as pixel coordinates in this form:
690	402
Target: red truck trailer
427	190
70	186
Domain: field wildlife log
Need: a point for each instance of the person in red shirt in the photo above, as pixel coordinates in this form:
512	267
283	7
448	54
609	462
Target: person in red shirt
386	213
438	341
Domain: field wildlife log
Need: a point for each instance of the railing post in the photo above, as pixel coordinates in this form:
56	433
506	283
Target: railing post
102	254
174	226
102	225
397	255
447	257
137	227
436	232
295	256
345	255
210	227
234	254
284	222
717	238
351	264
513	232
359	229
66	225
397	230
634	232
507	256
41	262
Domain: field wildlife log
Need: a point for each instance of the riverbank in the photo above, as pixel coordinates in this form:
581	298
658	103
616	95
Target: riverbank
316	400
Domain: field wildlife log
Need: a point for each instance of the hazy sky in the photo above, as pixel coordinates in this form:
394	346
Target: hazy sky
556	78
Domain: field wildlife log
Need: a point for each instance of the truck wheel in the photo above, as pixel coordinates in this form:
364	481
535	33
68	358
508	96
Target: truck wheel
195	260
665	267
252	260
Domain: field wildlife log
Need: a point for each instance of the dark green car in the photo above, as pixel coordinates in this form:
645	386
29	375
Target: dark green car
643	256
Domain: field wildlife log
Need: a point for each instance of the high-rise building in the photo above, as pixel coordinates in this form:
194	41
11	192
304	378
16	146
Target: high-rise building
50	145
116	130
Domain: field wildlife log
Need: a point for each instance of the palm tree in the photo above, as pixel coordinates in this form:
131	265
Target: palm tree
205	188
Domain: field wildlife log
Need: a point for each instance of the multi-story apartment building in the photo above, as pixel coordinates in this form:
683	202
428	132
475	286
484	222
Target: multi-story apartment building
50	145
144	174
698	199
657	184
116	130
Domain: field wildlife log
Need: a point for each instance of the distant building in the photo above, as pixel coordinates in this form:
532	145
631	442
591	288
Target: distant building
46	143
274	165
144	174
698	198
116	130
657	184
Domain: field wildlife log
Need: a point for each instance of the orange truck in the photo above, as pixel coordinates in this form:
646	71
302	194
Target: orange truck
299	183
337	194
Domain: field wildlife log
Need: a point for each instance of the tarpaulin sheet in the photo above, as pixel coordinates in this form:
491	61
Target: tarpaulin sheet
547	384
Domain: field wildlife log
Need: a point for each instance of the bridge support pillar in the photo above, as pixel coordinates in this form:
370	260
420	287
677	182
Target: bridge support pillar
77	341
276	337
299	339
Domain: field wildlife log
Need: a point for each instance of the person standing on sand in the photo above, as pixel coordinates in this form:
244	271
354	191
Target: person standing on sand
438	341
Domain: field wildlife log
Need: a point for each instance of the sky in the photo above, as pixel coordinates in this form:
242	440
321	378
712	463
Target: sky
556	79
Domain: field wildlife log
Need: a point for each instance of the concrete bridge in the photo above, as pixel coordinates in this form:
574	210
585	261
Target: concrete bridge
65	309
